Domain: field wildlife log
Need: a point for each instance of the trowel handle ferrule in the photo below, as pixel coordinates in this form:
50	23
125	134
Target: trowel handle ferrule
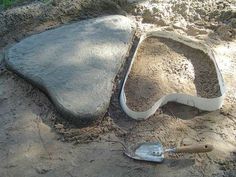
197	148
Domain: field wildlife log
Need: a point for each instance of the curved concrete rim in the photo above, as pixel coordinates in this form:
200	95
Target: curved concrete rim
206	104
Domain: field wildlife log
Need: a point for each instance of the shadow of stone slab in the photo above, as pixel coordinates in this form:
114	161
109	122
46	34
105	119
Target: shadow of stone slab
75	64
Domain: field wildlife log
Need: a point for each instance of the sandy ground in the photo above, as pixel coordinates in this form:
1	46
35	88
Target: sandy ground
36	141
163	66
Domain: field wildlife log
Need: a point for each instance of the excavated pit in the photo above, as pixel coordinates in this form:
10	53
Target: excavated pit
163	66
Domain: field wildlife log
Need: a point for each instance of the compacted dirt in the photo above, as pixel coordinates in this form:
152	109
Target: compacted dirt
163	66
36	141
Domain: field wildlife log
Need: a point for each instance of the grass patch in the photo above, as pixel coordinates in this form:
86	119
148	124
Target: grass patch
7	3
11	3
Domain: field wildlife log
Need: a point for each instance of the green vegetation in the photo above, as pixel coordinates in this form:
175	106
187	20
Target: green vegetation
6	3
10	3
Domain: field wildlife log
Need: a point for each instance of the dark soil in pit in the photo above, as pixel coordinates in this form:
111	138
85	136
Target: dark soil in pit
164	66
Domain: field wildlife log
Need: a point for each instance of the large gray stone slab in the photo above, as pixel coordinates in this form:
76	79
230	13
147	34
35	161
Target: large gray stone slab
75	64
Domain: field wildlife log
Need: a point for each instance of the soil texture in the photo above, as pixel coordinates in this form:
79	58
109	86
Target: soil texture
164	66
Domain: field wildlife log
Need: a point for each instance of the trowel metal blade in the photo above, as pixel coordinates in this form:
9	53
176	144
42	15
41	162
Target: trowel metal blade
152	152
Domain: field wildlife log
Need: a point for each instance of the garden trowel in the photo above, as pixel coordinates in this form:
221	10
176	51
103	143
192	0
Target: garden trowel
154	152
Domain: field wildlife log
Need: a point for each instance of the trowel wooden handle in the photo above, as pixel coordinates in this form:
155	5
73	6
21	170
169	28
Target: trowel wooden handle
198	148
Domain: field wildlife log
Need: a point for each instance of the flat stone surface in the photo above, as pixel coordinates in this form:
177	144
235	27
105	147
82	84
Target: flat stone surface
75	64
1	57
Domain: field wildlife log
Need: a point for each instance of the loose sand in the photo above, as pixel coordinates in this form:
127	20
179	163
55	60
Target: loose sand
32	134
163	66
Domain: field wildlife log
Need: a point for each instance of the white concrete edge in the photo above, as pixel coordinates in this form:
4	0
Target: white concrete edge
195	101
